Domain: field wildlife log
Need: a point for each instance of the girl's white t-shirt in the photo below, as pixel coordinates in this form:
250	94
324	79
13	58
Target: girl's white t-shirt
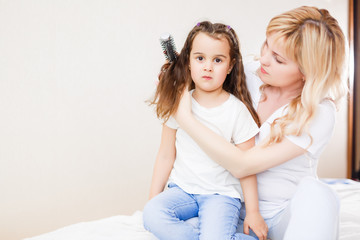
193	170
277	185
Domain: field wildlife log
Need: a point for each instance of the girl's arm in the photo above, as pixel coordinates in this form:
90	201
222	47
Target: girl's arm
164	161
253	218
240	163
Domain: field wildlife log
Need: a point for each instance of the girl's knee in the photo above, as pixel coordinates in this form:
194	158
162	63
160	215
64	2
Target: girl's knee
151	213
155	214
147	213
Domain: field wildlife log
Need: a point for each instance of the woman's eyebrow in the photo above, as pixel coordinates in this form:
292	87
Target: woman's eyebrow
278	55
274	52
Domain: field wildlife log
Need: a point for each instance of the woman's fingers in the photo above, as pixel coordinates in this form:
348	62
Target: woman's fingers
163	70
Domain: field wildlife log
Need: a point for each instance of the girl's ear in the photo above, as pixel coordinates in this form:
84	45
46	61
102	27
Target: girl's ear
231	66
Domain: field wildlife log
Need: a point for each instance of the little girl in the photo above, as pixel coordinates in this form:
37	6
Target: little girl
211	64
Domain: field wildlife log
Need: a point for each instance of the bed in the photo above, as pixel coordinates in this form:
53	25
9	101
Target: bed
130	227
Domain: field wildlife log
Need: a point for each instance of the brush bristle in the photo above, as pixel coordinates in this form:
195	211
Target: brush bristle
168	47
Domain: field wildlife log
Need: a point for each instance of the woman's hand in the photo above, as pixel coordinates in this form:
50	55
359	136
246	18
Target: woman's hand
183	112
163	70
257	224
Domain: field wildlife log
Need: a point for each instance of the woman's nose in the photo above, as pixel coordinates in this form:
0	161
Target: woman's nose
265	58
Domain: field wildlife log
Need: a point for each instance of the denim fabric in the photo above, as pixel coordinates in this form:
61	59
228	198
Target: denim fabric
312	214
165	216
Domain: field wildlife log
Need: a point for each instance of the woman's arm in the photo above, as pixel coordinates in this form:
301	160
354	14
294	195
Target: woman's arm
253	218
239	163
164	161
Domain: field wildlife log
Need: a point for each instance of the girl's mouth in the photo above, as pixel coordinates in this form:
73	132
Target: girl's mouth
207	77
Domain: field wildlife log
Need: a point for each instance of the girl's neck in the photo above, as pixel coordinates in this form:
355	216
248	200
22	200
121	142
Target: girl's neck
210	99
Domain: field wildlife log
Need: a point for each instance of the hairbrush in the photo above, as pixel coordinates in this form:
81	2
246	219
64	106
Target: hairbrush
168	46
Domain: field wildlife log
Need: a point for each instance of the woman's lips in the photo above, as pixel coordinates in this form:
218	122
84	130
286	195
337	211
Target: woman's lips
263	70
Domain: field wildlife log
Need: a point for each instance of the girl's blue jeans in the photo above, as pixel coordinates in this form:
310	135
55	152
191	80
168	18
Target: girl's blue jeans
218	215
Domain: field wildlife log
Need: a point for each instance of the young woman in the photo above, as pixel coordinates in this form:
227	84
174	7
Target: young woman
295	87
211	61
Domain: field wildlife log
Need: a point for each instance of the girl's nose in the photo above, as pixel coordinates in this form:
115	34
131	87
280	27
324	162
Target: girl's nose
208	67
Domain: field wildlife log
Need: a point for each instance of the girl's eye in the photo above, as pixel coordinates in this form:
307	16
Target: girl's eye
217	60
200	58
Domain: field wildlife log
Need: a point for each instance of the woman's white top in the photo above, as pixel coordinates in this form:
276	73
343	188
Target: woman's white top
277	185
193	170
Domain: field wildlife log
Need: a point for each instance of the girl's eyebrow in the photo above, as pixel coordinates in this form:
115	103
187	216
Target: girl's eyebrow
218	55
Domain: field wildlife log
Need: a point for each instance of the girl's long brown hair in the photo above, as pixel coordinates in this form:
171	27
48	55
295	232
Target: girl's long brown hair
177	75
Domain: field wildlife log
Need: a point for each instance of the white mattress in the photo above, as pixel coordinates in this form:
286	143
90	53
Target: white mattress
131	228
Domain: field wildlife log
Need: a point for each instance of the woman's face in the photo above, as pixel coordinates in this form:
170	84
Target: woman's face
277	69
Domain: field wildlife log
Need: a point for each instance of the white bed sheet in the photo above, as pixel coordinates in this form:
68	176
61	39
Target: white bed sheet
112	228
349	193
131	228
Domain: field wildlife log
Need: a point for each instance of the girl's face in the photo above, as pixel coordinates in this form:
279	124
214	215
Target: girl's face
209	62
277	69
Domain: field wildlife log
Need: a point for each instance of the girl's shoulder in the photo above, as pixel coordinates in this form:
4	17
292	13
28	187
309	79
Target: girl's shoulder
236	105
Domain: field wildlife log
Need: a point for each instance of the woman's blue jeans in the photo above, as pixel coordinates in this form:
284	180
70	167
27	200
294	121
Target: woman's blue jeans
218	215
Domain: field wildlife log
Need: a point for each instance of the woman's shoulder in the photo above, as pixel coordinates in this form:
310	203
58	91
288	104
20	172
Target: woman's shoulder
325	116
320	129
251	64
327	107
253	81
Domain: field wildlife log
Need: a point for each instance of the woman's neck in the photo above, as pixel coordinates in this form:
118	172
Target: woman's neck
210	99
284	95
274	98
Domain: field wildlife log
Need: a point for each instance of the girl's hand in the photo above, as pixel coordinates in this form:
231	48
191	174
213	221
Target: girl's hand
257	224
184	109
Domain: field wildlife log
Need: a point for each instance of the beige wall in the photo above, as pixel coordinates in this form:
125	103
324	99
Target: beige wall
77	140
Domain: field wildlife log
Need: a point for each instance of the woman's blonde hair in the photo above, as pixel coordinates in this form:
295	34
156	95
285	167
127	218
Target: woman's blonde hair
314	40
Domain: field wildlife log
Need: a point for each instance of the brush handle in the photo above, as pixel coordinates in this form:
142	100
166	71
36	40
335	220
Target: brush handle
168	46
